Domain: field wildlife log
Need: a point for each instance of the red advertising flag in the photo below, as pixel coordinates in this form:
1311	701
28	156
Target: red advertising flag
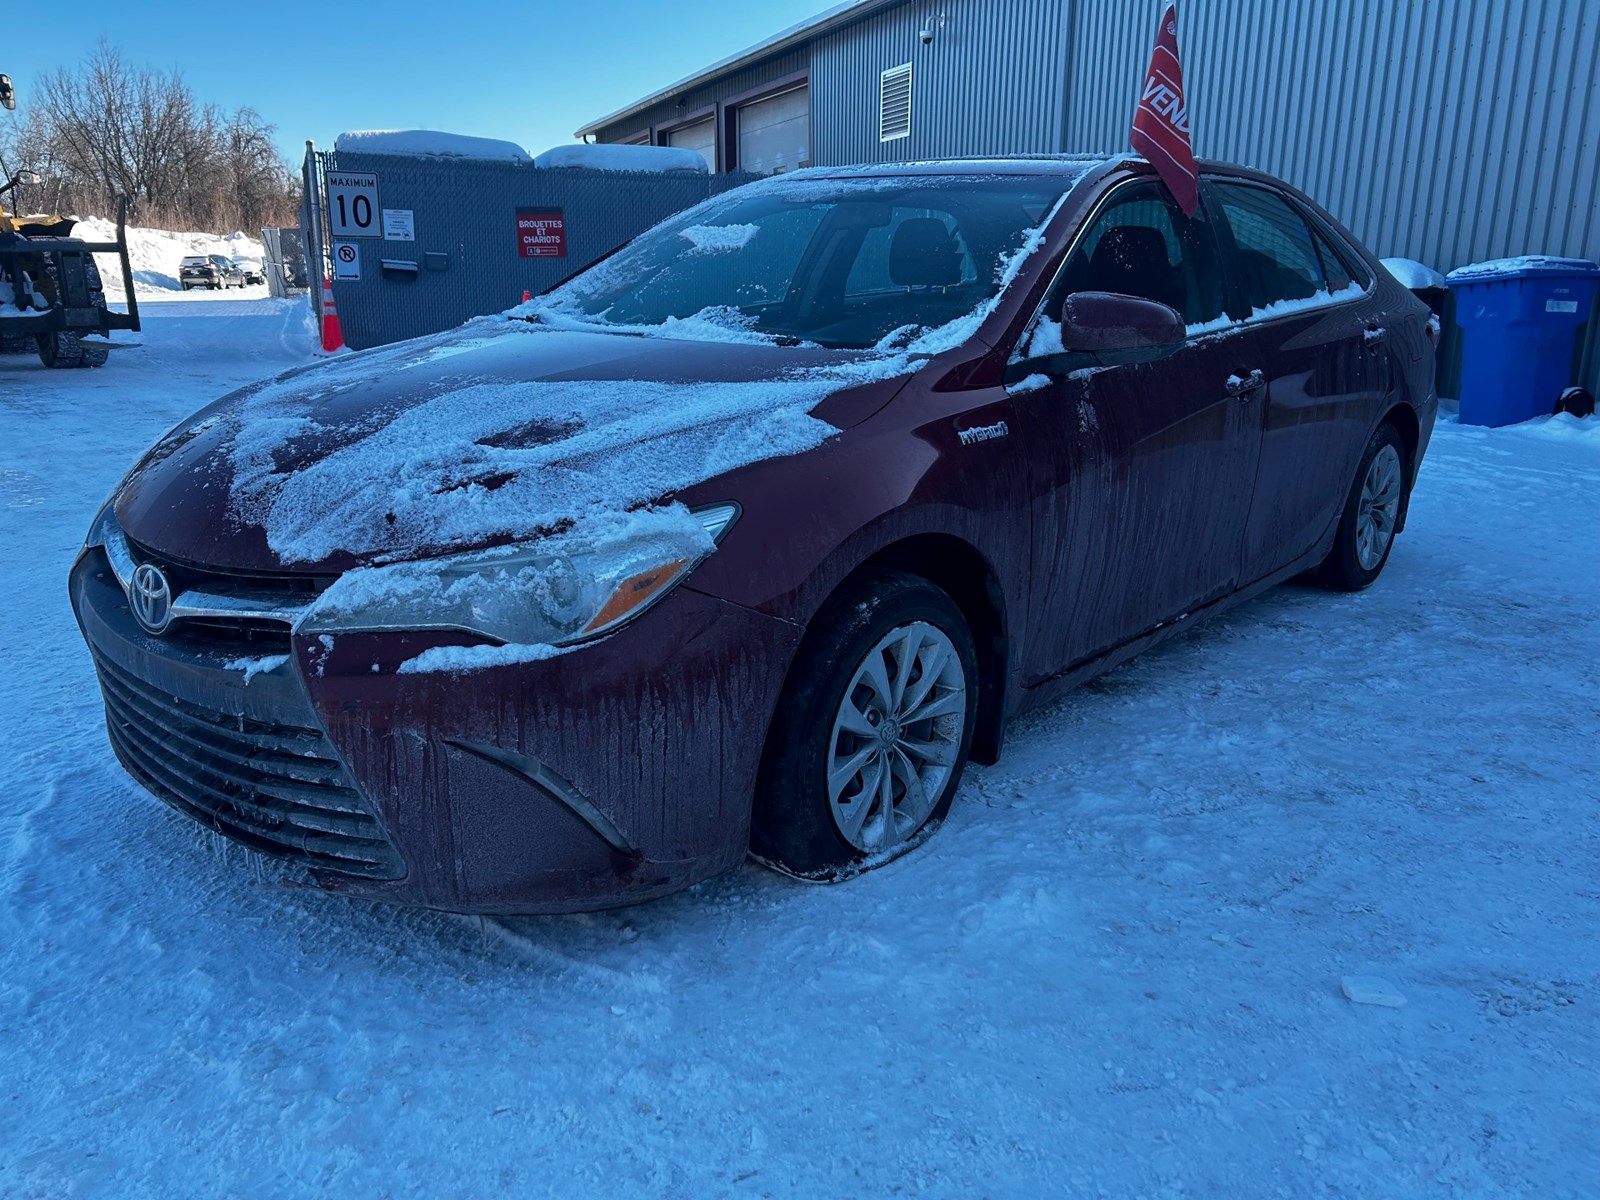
1161	123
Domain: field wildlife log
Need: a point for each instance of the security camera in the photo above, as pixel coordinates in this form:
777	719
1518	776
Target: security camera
926	35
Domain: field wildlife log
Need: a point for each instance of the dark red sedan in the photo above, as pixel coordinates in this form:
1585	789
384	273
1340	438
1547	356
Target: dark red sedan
747	539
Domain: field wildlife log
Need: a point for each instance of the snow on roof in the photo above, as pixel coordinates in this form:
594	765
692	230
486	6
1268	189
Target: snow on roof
839	14
1527	264
650	159
1413	274
429	143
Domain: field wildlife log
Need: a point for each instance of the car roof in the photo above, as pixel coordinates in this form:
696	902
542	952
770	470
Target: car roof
1015	165
1049	164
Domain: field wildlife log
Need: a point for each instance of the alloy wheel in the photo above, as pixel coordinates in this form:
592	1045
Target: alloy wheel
1380	508
897	735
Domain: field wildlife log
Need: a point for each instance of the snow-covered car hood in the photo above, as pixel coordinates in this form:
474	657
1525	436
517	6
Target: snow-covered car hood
494	432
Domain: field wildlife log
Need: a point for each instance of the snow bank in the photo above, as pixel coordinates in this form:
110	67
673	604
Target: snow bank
428	143
1413	274
648	159
154	254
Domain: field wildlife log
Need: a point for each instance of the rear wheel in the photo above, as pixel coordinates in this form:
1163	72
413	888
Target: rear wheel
872	733
67	350
1371	515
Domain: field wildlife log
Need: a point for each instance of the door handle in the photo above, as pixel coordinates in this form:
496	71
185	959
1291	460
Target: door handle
1240	386
1375	332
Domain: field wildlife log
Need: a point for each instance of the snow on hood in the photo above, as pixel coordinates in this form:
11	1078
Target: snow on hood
501	430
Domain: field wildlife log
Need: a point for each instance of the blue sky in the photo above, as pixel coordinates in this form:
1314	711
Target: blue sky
531	71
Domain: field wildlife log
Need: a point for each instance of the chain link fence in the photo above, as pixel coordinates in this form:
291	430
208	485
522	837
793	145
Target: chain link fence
465	256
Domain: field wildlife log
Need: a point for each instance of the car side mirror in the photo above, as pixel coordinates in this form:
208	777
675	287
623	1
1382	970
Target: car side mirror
1118	328
8	94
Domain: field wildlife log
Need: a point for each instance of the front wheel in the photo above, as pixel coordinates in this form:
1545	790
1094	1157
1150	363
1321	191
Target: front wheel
872	733
1371	515
66	351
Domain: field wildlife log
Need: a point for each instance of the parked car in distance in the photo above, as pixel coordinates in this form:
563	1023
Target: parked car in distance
251	269
209	271
750	537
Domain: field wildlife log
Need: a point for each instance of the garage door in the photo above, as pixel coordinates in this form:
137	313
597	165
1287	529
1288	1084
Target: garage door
701	137
775	133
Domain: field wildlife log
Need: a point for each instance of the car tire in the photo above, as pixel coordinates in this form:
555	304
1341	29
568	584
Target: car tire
894	772
66	351
1372	511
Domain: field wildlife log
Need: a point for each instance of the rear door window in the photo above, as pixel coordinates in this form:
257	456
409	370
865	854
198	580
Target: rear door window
1277	257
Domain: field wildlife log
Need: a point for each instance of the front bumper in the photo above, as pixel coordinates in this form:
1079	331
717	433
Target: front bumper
609	775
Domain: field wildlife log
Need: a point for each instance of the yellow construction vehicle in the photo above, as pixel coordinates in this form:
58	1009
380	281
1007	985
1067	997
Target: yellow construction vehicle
51	297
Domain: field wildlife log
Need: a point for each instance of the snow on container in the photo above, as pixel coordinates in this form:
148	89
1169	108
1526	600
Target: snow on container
1424	282
428	143
1521	317
641	159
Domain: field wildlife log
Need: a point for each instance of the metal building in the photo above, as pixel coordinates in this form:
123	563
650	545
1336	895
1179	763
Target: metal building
1445	132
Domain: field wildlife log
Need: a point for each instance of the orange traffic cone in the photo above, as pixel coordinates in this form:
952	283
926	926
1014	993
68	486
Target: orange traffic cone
332	335
526	295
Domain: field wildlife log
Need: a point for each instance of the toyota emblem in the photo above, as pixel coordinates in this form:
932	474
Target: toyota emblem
150	597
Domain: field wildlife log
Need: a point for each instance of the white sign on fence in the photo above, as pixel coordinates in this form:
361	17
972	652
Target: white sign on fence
346	260
353	204
398	225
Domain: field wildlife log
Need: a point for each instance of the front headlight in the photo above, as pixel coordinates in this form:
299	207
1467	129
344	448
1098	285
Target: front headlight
578	585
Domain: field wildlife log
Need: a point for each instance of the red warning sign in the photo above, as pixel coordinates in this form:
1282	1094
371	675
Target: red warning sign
541	233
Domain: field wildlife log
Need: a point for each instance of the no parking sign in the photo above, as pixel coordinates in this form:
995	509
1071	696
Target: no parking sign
346	260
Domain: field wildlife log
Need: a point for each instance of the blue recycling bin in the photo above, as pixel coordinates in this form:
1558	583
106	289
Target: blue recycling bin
1520	317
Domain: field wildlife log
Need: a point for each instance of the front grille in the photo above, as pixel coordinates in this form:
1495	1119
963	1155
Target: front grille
277	788
247	635
184	575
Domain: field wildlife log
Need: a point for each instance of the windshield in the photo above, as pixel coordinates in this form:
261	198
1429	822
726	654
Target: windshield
837	263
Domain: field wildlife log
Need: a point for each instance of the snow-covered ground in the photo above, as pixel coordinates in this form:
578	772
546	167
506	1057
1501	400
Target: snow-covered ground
154	255
1119	970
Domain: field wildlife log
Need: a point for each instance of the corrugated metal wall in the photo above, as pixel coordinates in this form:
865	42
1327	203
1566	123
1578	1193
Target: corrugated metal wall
1441	132
988	83
670	112
1448	132
1445	132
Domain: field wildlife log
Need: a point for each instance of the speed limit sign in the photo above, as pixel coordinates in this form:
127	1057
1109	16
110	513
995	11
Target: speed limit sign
353	210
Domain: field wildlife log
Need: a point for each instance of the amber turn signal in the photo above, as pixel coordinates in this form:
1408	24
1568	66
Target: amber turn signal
633	593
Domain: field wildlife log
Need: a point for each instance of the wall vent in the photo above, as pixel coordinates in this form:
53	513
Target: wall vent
894	103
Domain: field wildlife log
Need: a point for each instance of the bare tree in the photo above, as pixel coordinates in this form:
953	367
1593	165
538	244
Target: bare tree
106	130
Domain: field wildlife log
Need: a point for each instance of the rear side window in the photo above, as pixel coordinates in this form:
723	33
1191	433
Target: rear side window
1333	268
1342	267
1277	257
1142	245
